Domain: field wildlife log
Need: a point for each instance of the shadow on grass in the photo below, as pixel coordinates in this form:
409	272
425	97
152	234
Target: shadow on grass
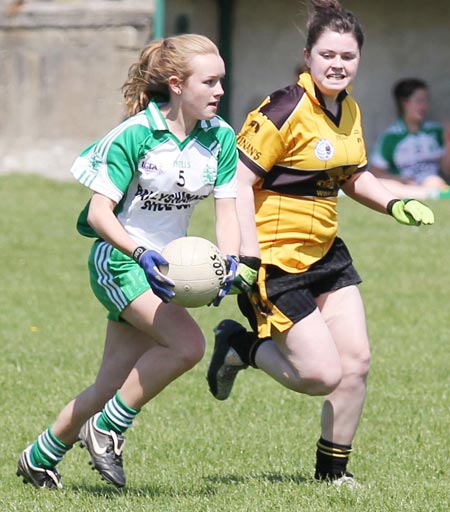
210	487
147	491
274	478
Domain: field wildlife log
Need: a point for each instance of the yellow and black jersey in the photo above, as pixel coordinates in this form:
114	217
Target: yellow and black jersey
302	153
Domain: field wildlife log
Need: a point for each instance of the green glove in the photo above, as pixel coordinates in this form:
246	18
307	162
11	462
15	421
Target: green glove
246	275
410	212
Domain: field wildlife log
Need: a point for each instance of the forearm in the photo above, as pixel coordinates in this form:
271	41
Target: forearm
378	172
383	174
369	191
246	214
227	226
103	221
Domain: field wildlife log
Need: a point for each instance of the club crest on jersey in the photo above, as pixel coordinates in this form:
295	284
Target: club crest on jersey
324	150
209	174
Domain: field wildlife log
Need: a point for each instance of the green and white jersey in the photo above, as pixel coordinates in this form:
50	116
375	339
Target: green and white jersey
155	179
414	156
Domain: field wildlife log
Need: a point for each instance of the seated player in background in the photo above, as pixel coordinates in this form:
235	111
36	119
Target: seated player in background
412	156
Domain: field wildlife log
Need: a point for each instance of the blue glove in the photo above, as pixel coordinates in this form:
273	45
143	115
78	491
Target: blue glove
150	260
410	212
232	265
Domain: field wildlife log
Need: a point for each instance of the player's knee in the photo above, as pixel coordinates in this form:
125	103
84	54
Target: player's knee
319	380
363	365
356	368
324	380
190	353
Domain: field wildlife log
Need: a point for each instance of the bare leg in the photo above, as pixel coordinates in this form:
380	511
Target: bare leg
180	346
326	353
140	361
304	359
123	346
344	313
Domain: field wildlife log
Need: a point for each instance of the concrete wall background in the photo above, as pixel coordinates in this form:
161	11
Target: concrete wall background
63	63
62	68
404	39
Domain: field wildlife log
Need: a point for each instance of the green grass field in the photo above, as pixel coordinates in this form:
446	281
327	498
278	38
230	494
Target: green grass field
254	452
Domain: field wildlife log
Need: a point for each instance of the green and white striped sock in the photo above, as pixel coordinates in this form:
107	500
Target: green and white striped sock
48	450
116	415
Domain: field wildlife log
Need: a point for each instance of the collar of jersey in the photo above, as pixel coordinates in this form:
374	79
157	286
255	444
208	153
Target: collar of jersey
404	127
158	122
305	80
155	118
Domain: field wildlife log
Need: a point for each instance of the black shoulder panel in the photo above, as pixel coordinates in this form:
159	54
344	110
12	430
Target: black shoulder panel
282	103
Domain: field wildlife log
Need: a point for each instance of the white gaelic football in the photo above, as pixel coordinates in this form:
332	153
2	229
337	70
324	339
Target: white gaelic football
197	268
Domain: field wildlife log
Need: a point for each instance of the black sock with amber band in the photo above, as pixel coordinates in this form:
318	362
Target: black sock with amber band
331	460
246	345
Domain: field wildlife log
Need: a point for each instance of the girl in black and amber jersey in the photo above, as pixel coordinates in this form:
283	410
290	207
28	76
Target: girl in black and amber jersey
297	150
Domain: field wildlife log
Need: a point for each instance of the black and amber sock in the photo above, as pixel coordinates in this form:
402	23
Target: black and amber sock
331	460
246	345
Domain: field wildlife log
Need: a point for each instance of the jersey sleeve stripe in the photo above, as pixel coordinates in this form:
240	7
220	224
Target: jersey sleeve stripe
104	144
251	164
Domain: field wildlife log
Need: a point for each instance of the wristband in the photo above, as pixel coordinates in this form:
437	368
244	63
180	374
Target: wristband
390	205
138	252
251	261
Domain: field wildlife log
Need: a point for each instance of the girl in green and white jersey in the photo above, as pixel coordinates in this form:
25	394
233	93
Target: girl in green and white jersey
412	156
146	176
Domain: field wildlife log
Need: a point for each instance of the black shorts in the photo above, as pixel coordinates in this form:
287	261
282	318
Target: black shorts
294	294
